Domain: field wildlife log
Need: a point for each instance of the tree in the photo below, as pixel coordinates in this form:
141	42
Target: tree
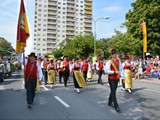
123	42
5	47
57	53
81	45
147	11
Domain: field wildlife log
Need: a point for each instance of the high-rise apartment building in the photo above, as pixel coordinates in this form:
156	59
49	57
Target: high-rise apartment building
56	20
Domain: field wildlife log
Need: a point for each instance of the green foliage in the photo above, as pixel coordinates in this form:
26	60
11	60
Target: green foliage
124	43
147	11
81	45
5	47
57	53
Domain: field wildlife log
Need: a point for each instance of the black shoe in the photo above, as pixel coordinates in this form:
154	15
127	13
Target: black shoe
112	105
101	83
118	109
29	106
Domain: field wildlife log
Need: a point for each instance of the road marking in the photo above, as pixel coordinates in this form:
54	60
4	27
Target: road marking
61	101
1	87
153	91
45	87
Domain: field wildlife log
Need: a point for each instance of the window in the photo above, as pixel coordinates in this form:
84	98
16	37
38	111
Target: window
39	5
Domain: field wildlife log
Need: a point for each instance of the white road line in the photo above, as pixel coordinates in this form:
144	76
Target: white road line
152	90
61	101
45	87
1	87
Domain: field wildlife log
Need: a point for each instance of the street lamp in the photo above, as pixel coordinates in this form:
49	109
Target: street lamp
95	34
95	22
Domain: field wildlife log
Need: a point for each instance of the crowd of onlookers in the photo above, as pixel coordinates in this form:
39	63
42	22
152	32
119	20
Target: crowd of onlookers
6	68
146	68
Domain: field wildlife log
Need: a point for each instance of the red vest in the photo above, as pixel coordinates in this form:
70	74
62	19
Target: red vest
114	76
85	66
33	73
58	67
100	65
66	65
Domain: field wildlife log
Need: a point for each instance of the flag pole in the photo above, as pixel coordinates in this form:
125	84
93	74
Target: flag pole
24	68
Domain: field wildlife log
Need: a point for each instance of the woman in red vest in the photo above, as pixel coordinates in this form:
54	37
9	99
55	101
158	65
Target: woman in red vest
113	69
51	70
99	68
60	70
128	74
84	68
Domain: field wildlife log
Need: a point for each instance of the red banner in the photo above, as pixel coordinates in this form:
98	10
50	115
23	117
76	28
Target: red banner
22	29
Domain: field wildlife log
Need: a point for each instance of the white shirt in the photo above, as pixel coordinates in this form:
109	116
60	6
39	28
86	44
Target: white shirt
108	70
39	70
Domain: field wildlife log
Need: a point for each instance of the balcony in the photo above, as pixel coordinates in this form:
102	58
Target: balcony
88	8
70	28
51	37
71	1
51	31
88	13
88	25
52	8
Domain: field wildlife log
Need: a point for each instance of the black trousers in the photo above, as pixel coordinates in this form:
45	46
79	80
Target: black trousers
60	76
76	85
85	75
65	77
1	77
45	75
123	83
112	97
30	92
99	76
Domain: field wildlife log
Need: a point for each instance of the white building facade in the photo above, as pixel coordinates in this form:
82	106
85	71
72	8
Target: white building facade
56	20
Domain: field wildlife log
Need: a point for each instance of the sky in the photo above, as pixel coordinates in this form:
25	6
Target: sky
115	9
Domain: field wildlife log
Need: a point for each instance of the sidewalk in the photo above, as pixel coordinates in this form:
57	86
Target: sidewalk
150	80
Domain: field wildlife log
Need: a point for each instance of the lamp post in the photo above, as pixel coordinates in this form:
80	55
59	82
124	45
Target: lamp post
95	22
95	34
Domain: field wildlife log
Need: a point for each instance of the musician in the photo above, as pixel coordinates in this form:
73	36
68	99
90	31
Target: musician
113	69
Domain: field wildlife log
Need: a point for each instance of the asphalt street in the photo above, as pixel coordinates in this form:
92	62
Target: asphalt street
63	103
